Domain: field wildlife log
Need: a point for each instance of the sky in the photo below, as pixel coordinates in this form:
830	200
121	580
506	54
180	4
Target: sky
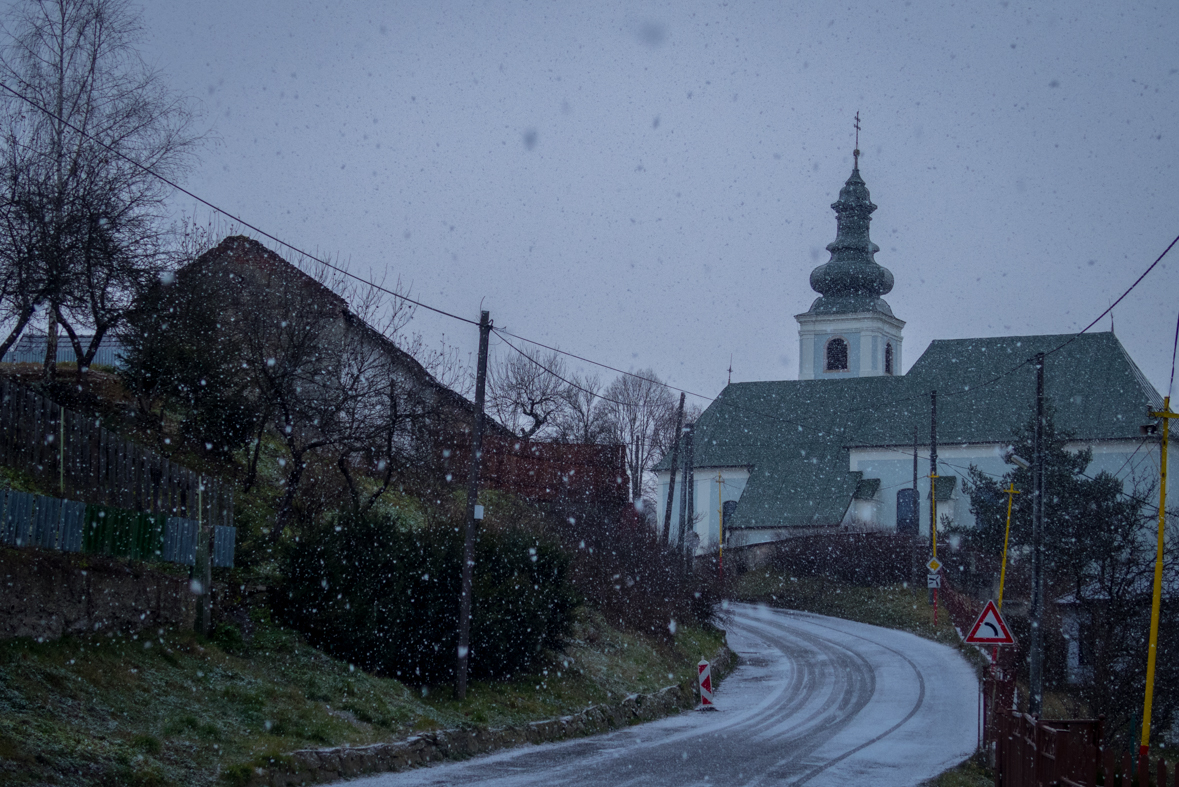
649	184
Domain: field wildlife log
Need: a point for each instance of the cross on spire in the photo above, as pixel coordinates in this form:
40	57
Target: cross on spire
856	152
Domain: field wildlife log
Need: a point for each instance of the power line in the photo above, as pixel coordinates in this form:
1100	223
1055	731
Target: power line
226	213
503	332
1174	347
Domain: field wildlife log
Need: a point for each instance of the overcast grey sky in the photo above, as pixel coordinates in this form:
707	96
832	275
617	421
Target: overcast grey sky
649	184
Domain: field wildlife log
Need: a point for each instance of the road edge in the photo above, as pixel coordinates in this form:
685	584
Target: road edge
317	766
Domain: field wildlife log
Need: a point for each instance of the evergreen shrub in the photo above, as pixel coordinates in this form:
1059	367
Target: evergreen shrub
385	598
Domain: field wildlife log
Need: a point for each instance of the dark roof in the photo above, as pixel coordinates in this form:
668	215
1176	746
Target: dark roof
946	484
794	435
867	488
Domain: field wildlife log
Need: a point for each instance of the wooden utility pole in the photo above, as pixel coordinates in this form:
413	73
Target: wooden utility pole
675	458
1036	649
464	634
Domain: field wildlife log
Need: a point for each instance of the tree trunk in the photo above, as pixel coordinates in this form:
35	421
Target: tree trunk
49	370
286	506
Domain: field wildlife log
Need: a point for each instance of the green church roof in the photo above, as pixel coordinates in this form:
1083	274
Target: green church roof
794	435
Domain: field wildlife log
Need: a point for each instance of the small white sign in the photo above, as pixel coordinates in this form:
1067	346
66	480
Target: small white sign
933	580
478	512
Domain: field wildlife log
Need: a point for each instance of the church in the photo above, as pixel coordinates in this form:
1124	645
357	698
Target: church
833	451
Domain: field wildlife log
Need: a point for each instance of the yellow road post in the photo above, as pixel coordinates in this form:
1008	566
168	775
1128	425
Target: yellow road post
1011	493
1156	598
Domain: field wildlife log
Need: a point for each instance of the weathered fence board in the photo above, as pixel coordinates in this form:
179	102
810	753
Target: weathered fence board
75	455
1069	752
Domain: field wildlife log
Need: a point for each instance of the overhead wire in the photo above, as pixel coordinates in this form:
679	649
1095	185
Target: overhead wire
503	333
164	179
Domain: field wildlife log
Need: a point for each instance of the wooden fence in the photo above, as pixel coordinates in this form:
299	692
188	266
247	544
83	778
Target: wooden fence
74	455
1068	753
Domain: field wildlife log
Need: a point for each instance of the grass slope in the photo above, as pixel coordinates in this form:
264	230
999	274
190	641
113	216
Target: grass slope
179	709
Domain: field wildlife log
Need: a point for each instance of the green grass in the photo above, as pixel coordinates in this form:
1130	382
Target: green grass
179	709
970	773
893	606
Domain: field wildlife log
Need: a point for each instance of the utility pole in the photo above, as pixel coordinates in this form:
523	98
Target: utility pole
720	524
675	458
933	491
916	532
203	568
1157	593
687	497
1036	655
464	633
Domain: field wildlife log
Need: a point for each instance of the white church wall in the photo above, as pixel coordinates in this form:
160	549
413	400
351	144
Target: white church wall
705	500
894	468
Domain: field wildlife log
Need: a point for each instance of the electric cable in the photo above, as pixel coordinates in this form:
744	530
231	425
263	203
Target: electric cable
227	214
504	332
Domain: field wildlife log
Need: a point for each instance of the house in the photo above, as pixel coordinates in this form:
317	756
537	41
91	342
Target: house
278	310
833	451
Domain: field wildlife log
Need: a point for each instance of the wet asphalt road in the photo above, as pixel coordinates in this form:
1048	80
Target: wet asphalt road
816	701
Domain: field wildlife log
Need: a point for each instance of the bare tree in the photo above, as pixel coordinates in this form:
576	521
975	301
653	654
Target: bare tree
527	394
330	384
82	229
583	419
641	415
258	355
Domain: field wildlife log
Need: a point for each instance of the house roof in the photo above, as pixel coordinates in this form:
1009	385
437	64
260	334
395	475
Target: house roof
238	252
795	435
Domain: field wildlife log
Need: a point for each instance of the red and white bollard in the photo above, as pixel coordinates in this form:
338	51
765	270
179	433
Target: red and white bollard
704	671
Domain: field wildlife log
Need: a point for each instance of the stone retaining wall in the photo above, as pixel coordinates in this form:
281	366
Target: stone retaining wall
50	594
314	766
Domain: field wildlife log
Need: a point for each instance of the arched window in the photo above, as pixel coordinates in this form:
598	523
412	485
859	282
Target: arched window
888	358
837	355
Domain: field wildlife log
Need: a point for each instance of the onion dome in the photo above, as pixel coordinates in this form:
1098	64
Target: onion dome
852	280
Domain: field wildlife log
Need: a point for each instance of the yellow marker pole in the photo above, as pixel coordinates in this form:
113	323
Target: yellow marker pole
1156	600
1011	493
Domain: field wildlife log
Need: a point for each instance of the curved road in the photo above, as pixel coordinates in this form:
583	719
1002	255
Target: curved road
816	701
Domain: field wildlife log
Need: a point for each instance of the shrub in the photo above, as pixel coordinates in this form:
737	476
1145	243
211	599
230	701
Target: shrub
386	598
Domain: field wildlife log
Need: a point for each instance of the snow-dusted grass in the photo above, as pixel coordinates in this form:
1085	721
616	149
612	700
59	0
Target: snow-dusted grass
179	709
892	606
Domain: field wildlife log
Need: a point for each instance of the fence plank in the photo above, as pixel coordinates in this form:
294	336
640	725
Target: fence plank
80	459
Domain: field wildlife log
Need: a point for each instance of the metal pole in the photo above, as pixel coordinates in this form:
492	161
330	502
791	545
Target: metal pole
464	634
916	533
688	500
933	491
933	473
675	458
1036	655
1156	598
720	525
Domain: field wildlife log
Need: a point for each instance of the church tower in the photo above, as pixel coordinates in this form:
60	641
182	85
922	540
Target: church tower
849	330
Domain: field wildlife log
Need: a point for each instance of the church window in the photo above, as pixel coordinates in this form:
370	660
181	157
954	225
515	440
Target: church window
888	358
837	355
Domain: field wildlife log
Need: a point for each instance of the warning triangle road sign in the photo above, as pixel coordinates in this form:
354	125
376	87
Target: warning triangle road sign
990	629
